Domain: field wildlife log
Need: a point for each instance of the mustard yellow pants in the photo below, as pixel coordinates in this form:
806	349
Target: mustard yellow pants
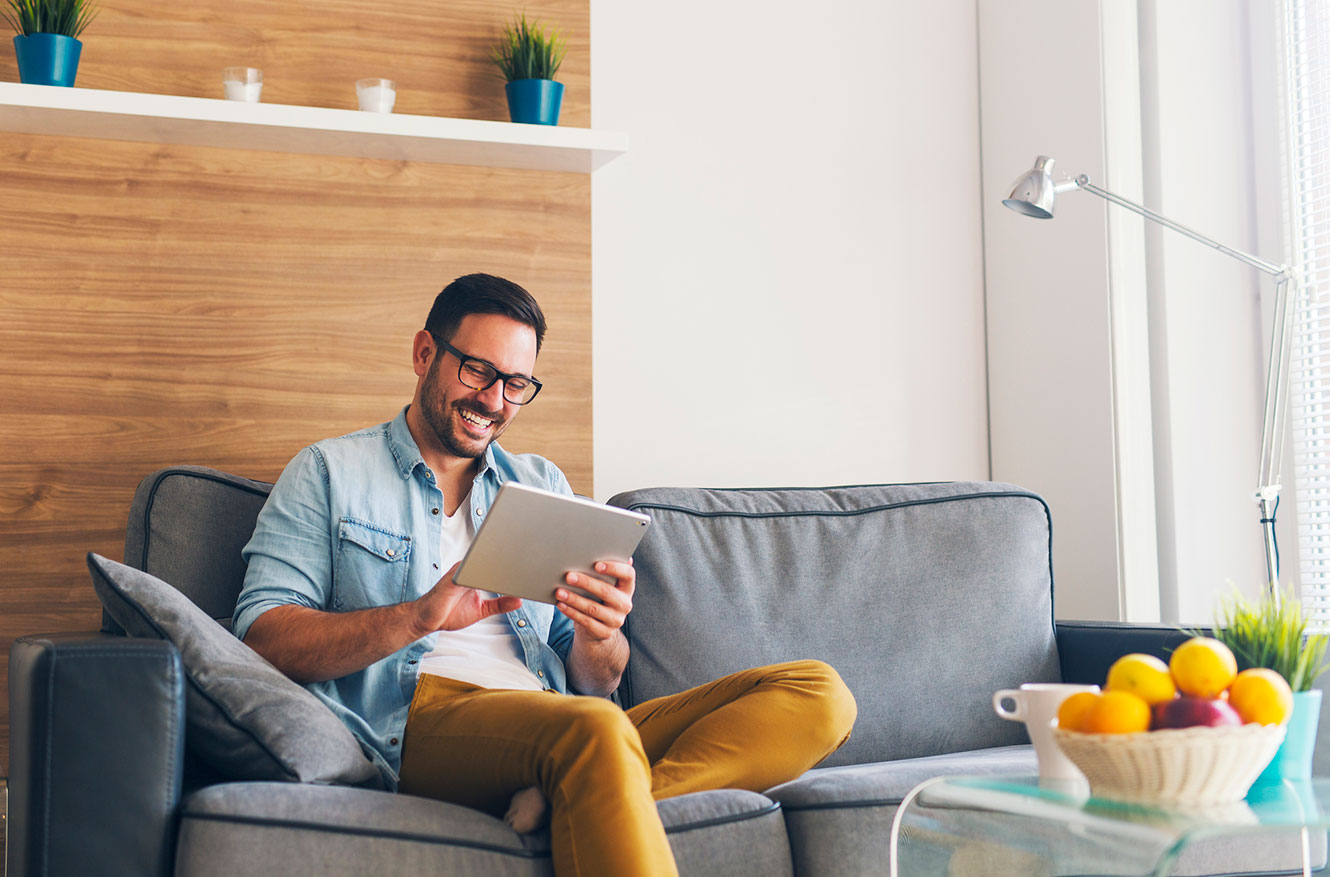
602	769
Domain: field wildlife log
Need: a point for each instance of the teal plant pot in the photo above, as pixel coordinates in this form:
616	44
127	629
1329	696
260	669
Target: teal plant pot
47	58
1293	761
534	101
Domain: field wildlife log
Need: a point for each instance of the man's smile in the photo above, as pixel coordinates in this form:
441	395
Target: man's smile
475	423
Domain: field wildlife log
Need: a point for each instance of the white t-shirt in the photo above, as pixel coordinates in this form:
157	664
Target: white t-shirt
488	652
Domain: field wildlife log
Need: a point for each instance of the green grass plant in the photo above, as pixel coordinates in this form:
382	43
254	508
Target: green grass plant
525	50
1273	634
65	17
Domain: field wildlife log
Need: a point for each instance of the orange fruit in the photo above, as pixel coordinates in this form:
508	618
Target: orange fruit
1261	696
1118	712
1074	711
1203	667
1145	676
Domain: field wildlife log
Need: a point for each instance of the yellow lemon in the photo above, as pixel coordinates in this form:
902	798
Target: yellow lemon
1118	712
1261	696
1203	667
1074	711
1145	676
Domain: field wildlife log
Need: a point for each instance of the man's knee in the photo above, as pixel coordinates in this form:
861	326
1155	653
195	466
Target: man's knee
833	708
599	723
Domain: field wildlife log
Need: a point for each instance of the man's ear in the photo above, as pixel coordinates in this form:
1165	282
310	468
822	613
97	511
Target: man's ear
423	351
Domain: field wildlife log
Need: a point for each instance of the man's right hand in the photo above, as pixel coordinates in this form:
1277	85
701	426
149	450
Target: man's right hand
312	645
452	607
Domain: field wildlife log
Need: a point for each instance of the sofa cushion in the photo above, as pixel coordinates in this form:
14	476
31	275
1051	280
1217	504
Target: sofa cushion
839	818
271	828
243	716
186	526
926	598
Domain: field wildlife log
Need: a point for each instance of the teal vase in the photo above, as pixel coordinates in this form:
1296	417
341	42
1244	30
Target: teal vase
1293	761
534	101
47	58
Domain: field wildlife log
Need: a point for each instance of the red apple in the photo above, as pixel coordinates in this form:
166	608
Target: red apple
1186	712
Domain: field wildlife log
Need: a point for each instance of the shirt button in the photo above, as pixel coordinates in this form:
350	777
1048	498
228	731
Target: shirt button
434	511
521	622
412	661
479	512
390	552
393	741
540	673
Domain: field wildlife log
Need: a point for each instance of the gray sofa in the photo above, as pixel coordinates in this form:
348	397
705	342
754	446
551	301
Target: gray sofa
926	598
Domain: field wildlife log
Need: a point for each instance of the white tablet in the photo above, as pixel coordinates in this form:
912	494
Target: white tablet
530	539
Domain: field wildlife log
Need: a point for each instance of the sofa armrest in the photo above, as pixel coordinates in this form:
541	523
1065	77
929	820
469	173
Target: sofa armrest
97	727
1087	648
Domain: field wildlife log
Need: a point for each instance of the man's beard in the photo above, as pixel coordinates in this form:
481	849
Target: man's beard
436	410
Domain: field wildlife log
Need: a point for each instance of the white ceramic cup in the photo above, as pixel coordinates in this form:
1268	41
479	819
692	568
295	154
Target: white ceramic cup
243	83
1036	704
376	95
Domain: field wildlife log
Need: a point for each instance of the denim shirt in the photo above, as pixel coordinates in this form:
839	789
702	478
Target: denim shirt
354	522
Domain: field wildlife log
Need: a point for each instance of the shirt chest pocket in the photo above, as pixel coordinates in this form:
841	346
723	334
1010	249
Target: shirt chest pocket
372	564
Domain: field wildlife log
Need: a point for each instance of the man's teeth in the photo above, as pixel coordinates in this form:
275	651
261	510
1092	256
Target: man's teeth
475	418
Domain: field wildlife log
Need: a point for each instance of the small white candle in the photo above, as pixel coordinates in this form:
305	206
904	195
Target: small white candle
376	95
246	91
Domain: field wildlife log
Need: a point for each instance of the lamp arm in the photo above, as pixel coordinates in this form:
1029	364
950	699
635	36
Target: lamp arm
1083	182
1276	380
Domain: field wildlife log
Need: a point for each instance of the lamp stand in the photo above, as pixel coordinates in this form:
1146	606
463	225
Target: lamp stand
1276	380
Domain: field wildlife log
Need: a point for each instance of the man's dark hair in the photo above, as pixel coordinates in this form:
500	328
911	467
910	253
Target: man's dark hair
483	294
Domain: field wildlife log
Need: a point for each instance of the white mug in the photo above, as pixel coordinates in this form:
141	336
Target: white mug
1037	705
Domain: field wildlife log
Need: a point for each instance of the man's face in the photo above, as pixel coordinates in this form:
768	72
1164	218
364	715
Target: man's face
464	420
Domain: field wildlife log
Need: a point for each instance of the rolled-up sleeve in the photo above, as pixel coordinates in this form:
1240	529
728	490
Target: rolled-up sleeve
289	556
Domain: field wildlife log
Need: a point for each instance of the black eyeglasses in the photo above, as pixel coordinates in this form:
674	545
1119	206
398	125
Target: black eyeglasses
480	375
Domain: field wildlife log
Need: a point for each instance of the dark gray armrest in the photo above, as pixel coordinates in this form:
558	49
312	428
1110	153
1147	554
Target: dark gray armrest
1087	648
97	728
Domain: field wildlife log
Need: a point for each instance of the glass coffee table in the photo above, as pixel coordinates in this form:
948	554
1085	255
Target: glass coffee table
964	825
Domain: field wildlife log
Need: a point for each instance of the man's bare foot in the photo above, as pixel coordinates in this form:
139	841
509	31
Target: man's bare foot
527	811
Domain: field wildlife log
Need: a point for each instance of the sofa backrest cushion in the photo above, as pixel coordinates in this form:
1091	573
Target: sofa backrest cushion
926	598
187	525
242	715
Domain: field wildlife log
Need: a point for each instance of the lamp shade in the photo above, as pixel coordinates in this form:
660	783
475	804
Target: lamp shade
1034	192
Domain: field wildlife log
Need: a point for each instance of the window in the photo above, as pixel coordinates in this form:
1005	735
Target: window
1307	46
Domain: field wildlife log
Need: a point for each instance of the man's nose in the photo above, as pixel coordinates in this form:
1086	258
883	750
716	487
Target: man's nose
492	397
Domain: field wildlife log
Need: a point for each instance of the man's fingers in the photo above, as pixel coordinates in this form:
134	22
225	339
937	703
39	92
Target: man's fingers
592	625
623	573
500	605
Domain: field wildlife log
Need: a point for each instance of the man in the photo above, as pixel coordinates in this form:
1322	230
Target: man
464	696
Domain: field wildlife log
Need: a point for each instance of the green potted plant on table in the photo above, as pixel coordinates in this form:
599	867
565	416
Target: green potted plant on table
47	45
1271	632
529	57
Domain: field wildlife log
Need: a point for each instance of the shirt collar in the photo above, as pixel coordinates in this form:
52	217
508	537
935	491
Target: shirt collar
407	453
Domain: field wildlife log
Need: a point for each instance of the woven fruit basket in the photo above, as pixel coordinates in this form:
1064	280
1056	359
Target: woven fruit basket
1199	766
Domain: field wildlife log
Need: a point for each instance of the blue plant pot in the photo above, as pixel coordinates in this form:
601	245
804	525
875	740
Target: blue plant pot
47	58
534	101
1293	761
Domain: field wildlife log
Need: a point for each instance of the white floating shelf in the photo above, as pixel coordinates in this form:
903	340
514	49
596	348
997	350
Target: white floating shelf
197	121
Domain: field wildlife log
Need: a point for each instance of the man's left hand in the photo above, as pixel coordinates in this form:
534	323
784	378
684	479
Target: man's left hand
598	621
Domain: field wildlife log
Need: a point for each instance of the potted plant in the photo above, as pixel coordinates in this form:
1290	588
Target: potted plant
47	44
1272	633
529	57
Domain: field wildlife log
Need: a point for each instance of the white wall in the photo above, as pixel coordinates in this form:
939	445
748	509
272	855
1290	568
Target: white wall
787	264
1052	380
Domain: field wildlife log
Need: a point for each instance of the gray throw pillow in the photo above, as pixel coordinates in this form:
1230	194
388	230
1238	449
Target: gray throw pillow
242	715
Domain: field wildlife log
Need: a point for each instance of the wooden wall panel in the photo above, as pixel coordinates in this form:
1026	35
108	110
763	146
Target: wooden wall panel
164	305
312	54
